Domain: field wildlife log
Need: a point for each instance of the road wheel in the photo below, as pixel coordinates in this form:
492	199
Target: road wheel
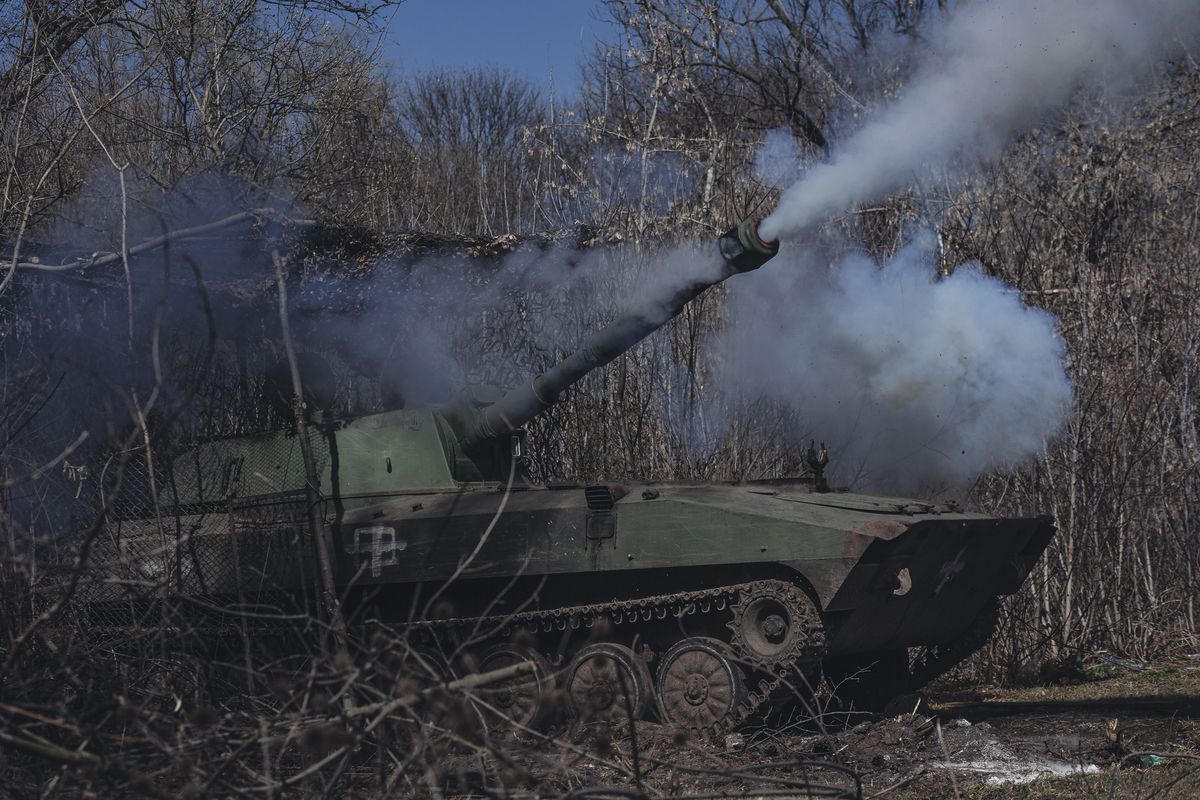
699	686
608	682
426	666
520	699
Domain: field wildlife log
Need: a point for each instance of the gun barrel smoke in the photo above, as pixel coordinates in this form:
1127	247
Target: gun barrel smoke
918	380
996	70
914	381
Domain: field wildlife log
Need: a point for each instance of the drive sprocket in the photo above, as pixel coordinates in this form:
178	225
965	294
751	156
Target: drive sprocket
775	624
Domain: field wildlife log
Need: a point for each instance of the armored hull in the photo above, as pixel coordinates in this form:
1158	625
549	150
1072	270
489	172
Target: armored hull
764	580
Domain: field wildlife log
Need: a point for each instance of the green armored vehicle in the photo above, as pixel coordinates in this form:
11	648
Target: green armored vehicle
696	603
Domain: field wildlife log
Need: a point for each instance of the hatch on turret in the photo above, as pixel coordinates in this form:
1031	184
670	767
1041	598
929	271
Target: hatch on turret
391	451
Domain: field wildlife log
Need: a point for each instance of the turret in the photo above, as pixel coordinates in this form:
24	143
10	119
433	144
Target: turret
739	250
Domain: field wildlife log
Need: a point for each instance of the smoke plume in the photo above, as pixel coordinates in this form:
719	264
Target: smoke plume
914	382
996	70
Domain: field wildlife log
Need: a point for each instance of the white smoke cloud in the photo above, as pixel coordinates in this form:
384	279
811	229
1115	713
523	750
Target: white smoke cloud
996	69
777	160
913	381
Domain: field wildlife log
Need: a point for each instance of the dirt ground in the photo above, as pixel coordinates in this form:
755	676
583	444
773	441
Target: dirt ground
1124	733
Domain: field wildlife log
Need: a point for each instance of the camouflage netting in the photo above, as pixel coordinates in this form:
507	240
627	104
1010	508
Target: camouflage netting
181	533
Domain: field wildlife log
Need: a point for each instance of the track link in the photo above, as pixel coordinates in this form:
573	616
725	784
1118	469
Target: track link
676	605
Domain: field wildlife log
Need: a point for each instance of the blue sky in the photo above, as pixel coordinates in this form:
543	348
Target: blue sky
534	38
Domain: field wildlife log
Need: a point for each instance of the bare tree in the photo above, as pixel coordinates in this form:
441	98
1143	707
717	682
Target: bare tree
469	172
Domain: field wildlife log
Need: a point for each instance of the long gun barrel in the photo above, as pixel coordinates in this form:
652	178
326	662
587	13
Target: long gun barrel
739	250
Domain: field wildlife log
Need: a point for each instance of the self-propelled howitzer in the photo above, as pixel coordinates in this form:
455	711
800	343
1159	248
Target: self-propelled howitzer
695	603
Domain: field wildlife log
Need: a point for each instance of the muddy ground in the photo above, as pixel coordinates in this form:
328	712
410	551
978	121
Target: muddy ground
1129	733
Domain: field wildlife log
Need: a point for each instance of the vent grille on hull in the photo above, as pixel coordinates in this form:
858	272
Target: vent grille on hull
599	498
